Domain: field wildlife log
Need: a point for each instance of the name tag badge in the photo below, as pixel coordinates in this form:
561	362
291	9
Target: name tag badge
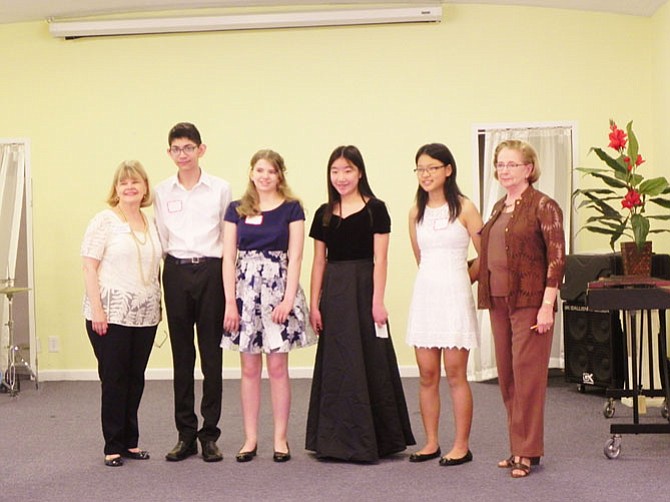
121	228
174	206
254	220
441	224
383	331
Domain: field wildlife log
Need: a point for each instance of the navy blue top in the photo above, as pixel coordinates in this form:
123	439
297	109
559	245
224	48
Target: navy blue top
267	231
352	238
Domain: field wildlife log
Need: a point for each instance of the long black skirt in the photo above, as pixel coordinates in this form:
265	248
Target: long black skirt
357	409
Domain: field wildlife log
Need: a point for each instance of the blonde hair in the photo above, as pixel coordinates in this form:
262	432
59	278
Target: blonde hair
527	152
130	169
249	203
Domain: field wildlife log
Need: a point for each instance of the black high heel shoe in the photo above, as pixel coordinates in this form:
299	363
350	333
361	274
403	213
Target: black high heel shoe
280	456
246	456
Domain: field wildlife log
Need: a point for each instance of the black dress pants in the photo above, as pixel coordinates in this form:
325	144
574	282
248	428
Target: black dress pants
194	297
122	354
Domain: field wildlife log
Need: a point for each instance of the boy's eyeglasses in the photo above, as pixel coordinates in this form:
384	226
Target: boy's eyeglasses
189	149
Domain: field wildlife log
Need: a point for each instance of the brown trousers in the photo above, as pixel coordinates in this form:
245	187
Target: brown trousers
522	357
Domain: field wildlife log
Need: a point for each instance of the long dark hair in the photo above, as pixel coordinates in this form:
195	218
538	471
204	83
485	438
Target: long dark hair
452	193
354	157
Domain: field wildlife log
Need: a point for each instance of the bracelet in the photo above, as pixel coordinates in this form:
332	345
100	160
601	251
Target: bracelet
547	302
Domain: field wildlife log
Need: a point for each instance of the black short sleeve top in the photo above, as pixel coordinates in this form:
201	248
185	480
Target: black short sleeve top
352	238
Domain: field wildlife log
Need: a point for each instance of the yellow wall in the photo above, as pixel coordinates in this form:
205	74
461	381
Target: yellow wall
87	104
661	103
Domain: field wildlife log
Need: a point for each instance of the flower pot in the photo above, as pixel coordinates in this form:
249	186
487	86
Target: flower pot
636	262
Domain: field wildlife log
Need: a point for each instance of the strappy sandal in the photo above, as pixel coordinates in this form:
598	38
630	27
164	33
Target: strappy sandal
509	462
522	468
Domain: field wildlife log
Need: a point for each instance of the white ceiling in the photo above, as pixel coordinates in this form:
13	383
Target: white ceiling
12	11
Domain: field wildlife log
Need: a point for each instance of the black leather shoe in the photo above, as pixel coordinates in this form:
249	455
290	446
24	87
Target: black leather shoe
457	461
280	456
181	451
113	462
136	455
210	452
246	456
422	457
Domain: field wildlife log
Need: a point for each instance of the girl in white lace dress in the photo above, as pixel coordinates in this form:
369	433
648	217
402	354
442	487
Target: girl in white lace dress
442	322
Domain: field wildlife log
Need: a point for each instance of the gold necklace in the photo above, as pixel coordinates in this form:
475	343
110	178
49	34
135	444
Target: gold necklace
147	236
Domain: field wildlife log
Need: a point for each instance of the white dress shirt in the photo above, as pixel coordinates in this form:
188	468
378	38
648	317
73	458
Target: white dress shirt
190	222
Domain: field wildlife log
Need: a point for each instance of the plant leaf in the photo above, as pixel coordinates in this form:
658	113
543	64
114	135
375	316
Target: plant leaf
633	145
653	186
615	164
640	225
613	182
661	202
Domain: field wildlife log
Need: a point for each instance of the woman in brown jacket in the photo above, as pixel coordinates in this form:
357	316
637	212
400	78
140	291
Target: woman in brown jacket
522	261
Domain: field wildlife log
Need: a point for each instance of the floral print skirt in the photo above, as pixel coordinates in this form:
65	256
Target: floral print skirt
260	285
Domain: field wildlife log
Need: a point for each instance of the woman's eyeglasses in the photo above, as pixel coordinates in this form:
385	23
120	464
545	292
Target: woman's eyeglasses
510	166
427	170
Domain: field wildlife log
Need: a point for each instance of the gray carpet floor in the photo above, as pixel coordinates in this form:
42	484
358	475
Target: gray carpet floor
51	450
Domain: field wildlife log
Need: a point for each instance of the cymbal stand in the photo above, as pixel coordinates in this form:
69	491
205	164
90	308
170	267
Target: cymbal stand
14	357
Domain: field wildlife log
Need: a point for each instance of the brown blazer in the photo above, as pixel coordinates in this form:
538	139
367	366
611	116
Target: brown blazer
535	245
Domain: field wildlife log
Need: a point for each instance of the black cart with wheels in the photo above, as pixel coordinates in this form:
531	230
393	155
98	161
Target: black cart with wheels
637	298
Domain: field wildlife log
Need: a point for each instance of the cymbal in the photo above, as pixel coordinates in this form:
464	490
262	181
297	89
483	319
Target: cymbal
12	290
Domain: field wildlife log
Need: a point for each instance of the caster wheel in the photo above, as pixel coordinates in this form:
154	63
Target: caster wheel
608	409
612	448
664	410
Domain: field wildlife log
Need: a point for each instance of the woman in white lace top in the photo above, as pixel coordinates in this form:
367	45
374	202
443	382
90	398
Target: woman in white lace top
121	253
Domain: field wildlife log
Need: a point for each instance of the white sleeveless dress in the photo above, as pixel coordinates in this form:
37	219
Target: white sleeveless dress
442	313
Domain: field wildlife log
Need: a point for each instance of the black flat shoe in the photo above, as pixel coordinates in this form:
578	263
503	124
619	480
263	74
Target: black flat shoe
136	455
113	462
211	452
280	456
456	461
246	456
181	451
422	457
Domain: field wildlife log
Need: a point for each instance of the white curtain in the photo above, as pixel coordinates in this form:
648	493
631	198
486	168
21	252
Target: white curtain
554	149
12	157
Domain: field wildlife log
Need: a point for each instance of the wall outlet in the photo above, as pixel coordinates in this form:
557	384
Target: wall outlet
54	344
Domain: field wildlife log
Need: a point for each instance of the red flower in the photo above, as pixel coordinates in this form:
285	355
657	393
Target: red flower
632	199
629	165
617	138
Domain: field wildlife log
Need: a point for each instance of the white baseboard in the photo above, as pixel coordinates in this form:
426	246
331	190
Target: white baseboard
166	374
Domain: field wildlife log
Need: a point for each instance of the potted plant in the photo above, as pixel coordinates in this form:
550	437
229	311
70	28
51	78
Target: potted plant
621	206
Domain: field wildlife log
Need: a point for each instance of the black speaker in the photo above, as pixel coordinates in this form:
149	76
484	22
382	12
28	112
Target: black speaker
593	341
580	269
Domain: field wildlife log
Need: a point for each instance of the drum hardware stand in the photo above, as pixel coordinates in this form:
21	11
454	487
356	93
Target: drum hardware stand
10	383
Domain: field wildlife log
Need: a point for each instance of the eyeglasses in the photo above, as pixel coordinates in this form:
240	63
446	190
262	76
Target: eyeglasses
188	149
427	170
511	165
